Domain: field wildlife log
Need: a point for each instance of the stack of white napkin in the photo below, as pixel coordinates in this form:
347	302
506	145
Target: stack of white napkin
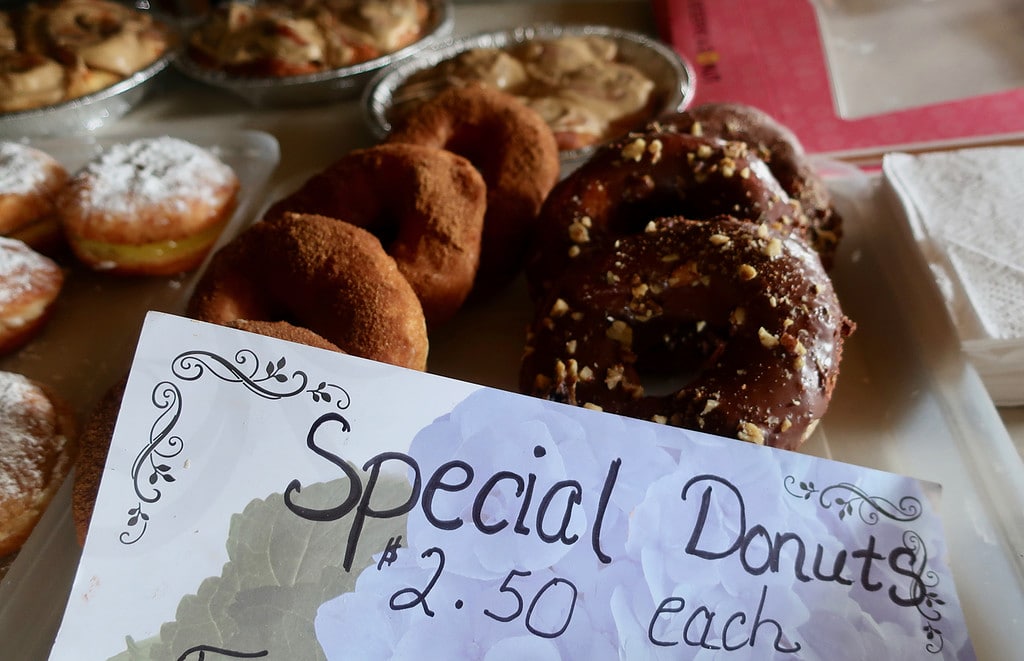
966	209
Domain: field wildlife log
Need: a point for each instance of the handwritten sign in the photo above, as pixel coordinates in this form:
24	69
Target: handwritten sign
264	499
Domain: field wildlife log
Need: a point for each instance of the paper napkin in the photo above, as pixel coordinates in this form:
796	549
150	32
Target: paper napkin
966	209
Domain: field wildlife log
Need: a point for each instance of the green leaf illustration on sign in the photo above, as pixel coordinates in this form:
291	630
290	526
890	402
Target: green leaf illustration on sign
280	569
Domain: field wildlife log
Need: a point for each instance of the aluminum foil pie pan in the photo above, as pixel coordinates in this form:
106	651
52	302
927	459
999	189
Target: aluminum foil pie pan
322	86
86	113
673	76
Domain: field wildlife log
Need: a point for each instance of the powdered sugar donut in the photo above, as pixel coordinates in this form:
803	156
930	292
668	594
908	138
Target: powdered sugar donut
154	206
29	284
29	181
37	450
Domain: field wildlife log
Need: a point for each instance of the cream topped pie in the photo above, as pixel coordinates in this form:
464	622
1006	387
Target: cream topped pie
57	51
295	37
578	84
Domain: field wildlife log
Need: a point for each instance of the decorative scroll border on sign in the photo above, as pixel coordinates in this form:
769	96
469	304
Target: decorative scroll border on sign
267	379
851	499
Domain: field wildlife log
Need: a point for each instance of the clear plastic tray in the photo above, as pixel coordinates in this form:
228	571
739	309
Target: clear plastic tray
907	402
86	347
87	344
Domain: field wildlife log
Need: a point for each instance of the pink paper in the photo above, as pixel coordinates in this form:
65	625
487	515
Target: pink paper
769	54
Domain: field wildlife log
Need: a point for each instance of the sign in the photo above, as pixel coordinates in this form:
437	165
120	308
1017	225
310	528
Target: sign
264	499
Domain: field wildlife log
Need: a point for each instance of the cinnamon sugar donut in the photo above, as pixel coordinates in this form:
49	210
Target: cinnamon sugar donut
322	274
153	206
93	447
741	321
779	147
425	205
37	449
635	179
29	286
29	181
282	330
514	150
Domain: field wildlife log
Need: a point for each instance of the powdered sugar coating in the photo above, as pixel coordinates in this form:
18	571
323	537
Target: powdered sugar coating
153	172
23	270
36	452
23	170
151	185
24	414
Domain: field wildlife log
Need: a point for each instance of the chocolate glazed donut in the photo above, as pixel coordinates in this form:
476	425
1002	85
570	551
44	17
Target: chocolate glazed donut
514	150
644	176
745	317
780	149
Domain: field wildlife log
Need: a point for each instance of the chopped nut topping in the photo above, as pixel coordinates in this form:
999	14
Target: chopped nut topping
635	149
772	301
719	239
570	347
660	419
701	325
799	348
573	369
655	150
576	316
640	290
747	272
586	374
773	248
620	332
709	406
578	233
541	382
762	231
592	407
651	228
786	424
586	221
799	362
574	251
669	258
611	278
613	376
768	341
559	370
559	308
738	316
750	433
704	151
745	173
728	167
696	129
684	274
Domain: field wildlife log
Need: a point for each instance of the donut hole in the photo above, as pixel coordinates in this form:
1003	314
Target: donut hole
476	149
638	208
385	226
672	354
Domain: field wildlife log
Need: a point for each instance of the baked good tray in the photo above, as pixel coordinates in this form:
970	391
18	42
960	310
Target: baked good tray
907	402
